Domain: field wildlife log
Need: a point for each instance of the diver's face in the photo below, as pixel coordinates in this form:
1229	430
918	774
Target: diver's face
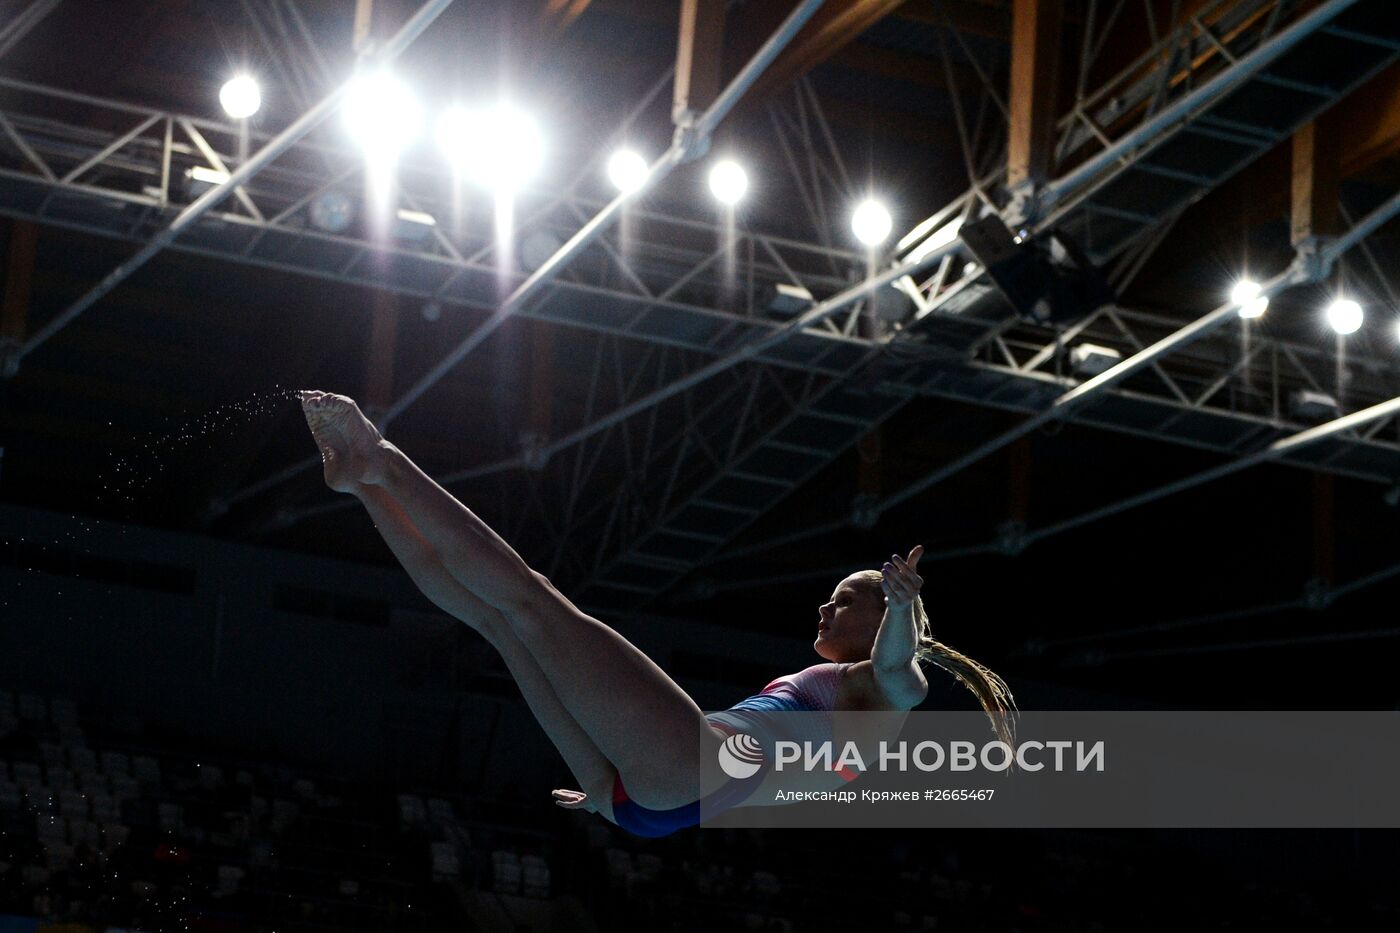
848	623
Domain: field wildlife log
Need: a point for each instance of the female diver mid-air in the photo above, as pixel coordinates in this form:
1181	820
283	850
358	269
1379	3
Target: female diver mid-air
642	751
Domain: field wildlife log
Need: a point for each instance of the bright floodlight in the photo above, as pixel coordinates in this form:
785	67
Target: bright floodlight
1246	295
240	97
728	181
871	222
382	113
500	147
1345	316
627	170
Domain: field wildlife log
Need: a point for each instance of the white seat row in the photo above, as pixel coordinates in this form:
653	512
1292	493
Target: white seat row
536	875
60	711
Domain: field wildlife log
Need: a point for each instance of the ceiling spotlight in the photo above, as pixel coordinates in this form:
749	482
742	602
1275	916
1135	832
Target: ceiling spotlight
200	179
332	211
1090	359
871	223
499	147
1345	316
412	226
627	170
240	97
1246	295
382	113
728	181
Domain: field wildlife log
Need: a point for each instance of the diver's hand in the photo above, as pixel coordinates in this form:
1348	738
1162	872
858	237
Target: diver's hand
901	581
573	800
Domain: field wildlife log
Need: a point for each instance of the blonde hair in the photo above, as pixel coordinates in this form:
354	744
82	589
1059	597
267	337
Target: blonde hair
991	691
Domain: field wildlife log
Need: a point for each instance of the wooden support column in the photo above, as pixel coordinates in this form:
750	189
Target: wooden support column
698	57
1035	78
364	26
19	278
1316	170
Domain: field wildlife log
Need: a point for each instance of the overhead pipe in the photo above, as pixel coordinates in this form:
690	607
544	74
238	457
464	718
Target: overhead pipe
1275	451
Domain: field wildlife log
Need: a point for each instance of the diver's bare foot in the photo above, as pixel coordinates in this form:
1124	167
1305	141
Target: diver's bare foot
351	449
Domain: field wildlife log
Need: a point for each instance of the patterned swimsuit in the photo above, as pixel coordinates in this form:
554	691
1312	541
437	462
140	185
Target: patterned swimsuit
808	691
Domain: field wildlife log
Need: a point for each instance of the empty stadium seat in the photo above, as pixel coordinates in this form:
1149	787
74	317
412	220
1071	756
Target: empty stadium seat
505	872
648	866
440	811
93	783
104	808
50	827
230	876
115	763
63	712
73	804
84	832
27	773
446	865
145	769
32	708
52	755
535	872
113	835
168	816
82	759
58	855
125	788
411	810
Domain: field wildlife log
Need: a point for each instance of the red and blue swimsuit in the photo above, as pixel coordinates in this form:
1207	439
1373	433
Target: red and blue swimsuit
812	690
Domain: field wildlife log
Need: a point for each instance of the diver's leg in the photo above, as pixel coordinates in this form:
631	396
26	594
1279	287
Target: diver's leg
640	719
590	768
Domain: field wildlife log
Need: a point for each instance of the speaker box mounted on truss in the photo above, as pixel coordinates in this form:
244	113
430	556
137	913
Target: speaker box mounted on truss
1044	282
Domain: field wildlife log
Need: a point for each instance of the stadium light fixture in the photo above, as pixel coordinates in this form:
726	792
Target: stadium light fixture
871	222
1246	294
1345	316
627	170
728	182
240	97
382	114
498	147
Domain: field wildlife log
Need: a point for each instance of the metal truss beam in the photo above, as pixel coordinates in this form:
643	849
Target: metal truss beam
1313	598
1304	269
690	142
214	196
13	32
1278	450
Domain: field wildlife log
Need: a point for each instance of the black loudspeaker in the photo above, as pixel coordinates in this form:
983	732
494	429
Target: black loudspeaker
1017	270
1023	273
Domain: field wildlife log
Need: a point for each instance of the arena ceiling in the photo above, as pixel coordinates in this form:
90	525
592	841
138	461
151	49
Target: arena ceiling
646	428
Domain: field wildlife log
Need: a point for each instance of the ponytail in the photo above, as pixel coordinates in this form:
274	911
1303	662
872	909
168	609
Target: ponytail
991	691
